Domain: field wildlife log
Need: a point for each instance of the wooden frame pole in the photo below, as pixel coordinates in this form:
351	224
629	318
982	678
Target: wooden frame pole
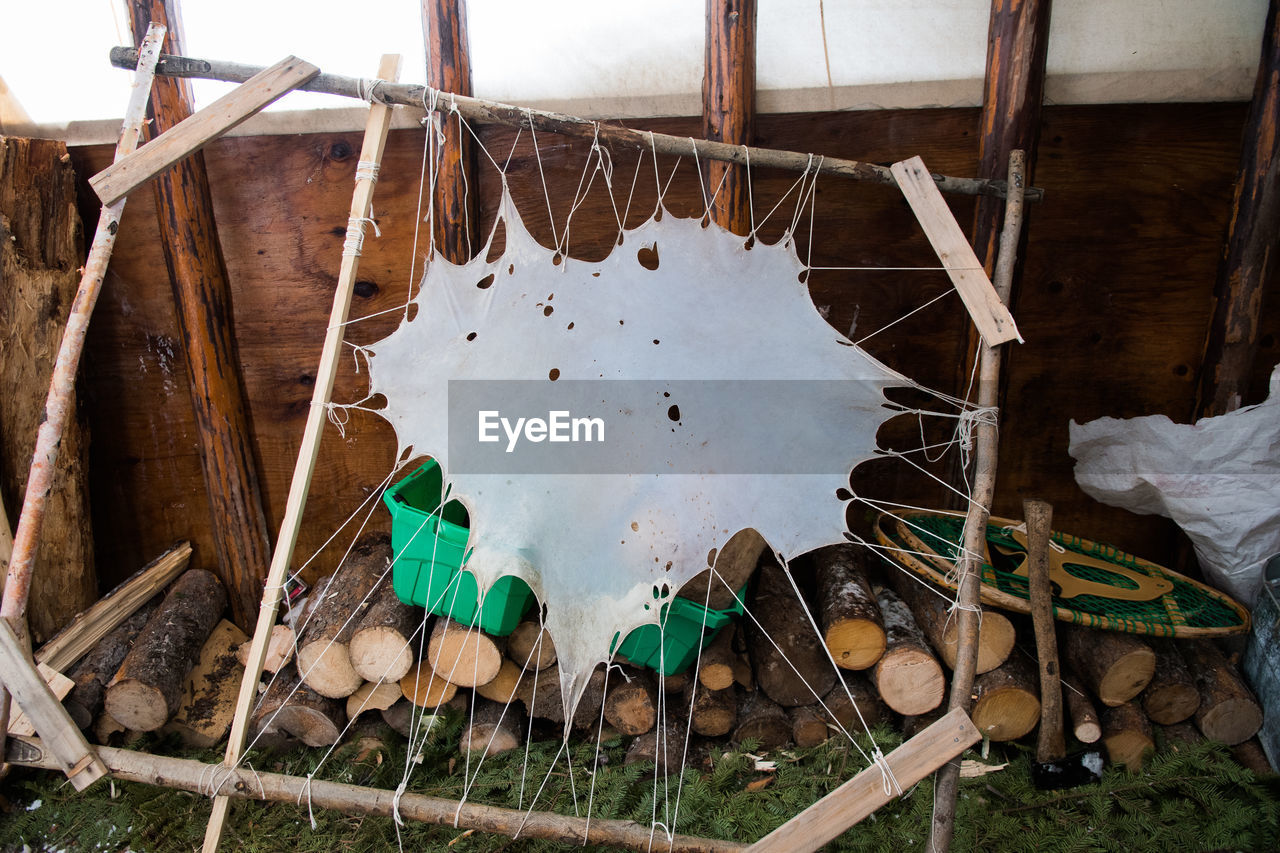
968	565
375	139
188	775
62	385
492	112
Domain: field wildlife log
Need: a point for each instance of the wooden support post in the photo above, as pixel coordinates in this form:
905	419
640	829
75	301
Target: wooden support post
444	27
202	292
1249	256
609	135
375	139
58	404
729	106
1012	96
878	784
975	526
190	775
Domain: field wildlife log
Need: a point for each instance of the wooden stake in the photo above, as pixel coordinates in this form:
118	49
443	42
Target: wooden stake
492	112
1084	718
975	524
1051	745
873	787
17	588
375	138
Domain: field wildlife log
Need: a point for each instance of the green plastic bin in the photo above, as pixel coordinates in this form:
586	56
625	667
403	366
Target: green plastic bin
687	627
432	546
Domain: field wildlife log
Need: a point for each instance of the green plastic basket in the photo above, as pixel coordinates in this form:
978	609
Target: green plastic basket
432	546
686	628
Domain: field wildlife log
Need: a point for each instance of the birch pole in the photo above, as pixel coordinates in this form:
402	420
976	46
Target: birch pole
60	402
375	138
968	565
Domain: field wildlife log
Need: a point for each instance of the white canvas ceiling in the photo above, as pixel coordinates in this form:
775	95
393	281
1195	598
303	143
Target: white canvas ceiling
606	58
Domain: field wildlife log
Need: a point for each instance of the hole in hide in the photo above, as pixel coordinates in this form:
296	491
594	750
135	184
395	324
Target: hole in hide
554	374
471	337
486	282
648	256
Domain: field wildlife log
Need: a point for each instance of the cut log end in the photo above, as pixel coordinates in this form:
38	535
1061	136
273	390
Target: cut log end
326	668
464	655
380	654
143	705
424	688
910	681
855	643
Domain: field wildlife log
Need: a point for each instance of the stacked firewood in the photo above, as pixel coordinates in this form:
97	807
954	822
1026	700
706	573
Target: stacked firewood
827	646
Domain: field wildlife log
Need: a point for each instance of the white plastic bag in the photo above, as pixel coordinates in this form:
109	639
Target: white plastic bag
1219	479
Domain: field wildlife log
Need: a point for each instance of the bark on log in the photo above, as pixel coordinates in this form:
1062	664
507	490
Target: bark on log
1249	255
913	725
715	712
293	709
715	668
381	647
762	720
208	701
324	659
1228	711
734	562
503	686
1115	667
93	672
850	618
424	688
1126	731
41	249
530	645
860	704
788	657
1251	757
373	696
729	104
146	690
808	726
664	746
280	649
908	676
494	729
631	705
202	291
677	683
1172	695
1007	704
1085	724
932	613
463	655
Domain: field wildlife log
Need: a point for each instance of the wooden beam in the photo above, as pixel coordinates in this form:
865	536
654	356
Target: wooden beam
188	775
201	289
844	807
196	131
491	112
453	210
20	725
729	106
986	454
375	140
58	731
990	316
85	630
1249	255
